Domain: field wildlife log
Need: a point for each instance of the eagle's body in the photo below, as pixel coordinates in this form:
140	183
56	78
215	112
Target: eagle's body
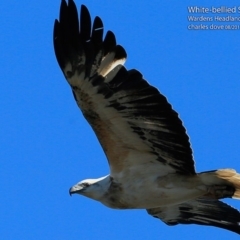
132	193
148	150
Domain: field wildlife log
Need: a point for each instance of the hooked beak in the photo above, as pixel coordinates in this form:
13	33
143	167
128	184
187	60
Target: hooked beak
75	189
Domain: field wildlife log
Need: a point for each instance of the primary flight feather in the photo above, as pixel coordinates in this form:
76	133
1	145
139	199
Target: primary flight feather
148	150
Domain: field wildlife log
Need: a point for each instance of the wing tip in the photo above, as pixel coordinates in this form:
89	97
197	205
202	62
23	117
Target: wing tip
74	41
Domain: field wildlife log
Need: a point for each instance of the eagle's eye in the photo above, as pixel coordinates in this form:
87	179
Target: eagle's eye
85	184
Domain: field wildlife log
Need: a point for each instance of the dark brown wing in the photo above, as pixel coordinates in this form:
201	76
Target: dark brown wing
133	122
200	211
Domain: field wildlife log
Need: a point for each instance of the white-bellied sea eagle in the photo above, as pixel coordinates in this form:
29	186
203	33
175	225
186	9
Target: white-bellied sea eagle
148	150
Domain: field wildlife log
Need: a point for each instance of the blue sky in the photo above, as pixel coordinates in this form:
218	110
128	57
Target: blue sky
47	146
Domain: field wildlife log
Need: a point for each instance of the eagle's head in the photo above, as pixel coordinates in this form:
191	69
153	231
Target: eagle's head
92	188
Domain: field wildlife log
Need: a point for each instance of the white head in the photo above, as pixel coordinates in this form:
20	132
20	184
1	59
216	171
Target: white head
92	188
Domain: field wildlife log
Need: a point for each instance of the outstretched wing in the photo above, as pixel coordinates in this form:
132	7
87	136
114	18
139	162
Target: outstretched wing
133	122
200	211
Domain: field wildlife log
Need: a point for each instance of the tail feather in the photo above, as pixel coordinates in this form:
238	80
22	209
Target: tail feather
228	181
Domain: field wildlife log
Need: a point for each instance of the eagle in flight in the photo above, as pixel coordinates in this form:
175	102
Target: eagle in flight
145	142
